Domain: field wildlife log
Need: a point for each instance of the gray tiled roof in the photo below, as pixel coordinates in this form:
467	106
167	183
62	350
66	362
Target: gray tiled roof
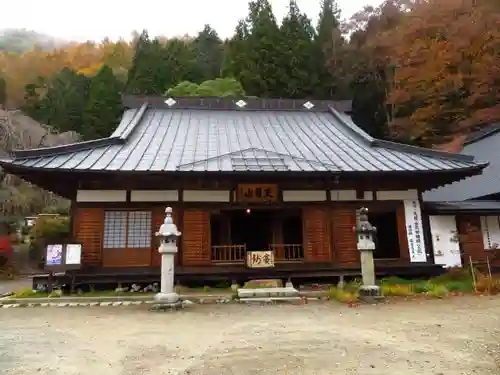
484	145
194	139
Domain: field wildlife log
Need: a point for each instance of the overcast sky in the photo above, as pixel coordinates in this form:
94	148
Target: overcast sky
96	19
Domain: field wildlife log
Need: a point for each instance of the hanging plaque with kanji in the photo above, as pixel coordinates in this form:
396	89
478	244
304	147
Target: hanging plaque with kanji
257	193
260	259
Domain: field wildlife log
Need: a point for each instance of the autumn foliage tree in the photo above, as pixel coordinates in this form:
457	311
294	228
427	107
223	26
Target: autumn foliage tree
446	78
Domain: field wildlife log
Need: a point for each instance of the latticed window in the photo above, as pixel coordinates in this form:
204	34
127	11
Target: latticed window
127	229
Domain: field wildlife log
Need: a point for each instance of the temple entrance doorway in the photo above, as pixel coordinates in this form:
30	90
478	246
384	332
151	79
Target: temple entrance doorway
252	228
234	232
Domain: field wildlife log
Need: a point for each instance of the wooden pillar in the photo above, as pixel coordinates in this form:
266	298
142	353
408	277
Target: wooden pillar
277	228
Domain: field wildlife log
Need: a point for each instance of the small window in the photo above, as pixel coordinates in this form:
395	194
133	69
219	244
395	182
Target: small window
123	229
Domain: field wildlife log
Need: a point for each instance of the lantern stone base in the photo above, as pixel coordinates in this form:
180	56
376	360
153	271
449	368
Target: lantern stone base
167	301
167	298
370	294
167	306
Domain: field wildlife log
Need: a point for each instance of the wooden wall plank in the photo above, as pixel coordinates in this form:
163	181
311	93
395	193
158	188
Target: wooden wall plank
404	249
471	240
344	238
88	225
317	241
196	238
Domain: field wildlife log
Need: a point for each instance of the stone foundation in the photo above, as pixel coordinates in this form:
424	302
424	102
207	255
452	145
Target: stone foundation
370	294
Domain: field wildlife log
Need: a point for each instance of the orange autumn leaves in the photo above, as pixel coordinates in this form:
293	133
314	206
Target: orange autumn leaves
85	58
445	56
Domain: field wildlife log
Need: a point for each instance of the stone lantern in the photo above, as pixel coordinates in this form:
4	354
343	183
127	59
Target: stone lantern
365	233
168	234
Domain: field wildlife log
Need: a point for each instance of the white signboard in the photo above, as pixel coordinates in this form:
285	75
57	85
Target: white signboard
73	253
260	259
414	231
445	241
490	226
54	255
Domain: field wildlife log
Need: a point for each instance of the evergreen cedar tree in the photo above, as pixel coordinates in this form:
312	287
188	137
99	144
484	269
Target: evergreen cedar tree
418	72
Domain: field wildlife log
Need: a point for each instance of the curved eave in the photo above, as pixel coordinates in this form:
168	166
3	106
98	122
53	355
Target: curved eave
471	170
120	136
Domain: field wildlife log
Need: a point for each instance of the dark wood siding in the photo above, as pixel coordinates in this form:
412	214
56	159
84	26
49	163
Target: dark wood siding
88	224
343	221
196	238
317	243
404	250
471	239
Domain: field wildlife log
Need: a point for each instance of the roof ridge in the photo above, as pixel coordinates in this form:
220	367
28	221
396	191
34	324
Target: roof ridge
237	103
401	147
114	139
375	142
351	126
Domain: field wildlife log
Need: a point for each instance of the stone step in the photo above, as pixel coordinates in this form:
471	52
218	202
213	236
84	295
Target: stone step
270	299
268	292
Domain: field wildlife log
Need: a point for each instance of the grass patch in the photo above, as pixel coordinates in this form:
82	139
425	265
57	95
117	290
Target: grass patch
29	293
456	280
343	295
202	290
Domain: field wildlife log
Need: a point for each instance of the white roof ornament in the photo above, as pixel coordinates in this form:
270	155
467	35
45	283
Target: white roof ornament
170	102
308	105
241	103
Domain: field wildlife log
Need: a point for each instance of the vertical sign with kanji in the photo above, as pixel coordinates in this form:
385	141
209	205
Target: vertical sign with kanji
260	259
414	231
257	193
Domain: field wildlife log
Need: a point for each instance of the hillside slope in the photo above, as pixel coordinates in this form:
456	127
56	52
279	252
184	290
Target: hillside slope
18	131
22	40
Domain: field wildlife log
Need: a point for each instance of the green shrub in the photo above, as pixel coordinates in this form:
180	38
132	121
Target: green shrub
394	280
422	287
50	229
25	293
397	290
353	285
438	291
453	274
342	295
459	286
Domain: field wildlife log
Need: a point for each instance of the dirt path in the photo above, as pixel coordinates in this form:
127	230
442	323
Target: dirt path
431	337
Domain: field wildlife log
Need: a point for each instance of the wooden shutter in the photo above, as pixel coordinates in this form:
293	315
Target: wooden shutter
196	238
317	244
404	249
88	224
344	237
158	218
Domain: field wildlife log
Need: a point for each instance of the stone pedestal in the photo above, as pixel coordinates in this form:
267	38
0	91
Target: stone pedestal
367	266
167	298
370	294
369	291
167	293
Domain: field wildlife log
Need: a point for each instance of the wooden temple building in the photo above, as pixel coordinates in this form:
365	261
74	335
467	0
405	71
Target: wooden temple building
282	177
465	215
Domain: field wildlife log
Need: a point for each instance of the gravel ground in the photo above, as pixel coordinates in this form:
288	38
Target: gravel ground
450	337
